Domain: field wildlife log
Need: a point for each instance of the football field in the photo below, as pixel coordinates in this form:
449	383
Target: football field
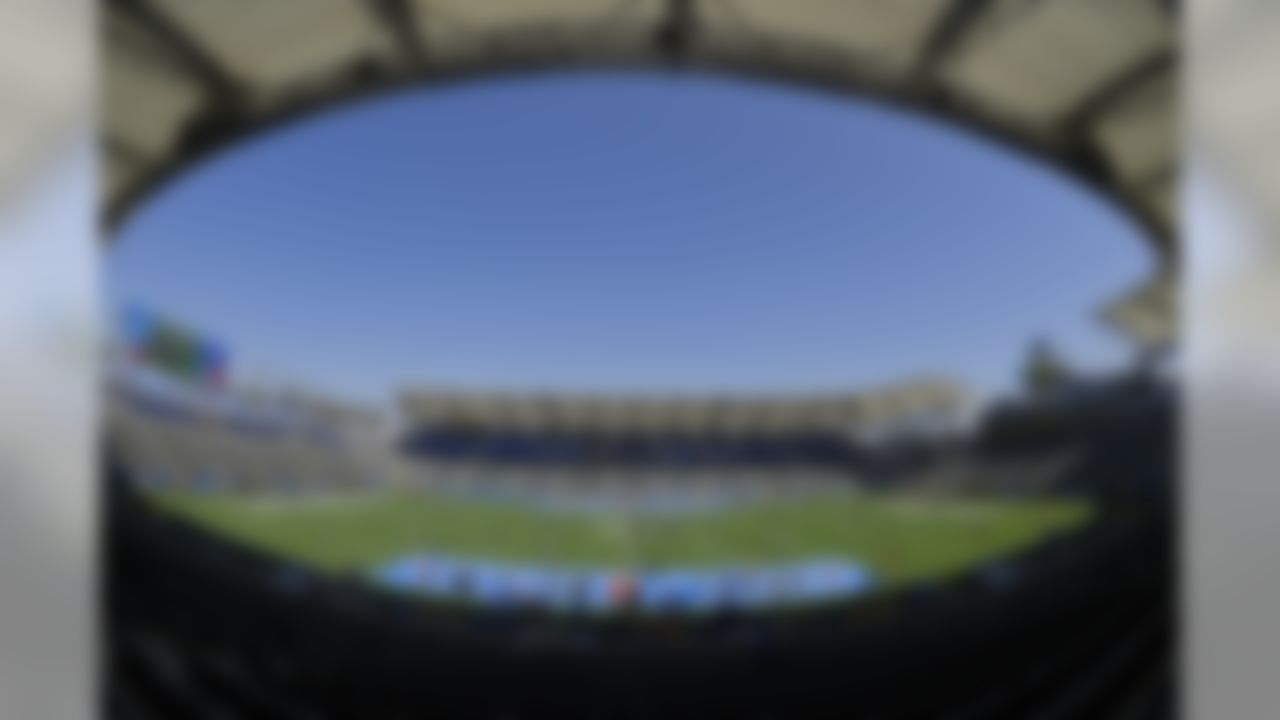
901	538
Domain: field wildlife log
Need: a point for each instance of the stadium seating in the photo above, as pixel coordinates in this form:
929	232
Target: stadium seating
1079	627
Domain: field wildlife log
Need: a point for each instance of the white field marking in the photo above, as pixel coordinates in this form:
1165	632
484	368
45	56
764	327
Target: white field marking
323	501
948	509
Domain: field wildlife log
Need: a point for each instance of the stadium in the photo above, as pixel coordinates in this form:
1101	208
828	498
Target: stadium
890	551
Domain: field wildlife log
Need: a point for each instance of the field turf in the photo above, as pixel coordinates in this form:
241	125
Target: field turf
900	538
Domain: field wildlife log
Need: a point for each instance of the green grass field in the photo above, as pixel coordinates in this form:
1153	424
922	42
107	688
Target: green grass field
900	538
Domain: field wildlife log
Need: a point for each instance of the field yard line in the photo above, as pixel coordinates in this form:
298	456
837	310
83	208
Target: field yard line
275	505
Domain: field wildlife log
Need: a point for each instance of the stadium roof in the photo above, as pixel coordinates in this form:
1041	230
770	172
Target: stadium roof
1086	85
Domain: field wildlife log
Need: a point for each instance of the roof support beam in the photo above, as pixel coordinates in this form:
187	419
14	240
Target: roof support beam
1080	118
676	33
122	149
219	82
950	30
399	18
1080	151
1164	175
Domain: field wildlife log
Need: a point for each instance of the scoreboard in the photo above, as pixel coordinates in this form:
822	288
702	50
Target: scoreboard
174	349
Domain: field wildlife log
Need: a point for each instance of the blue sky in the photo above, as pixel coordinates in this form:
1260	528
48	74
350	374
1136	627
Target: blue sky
631	232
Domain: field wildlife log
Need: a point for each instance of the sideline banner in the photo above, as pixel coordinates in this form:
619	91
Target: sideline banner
687	591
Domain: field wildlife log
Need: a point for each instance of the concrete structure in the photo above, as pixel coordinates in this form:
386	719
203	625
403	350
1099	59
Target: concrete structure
1086	85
